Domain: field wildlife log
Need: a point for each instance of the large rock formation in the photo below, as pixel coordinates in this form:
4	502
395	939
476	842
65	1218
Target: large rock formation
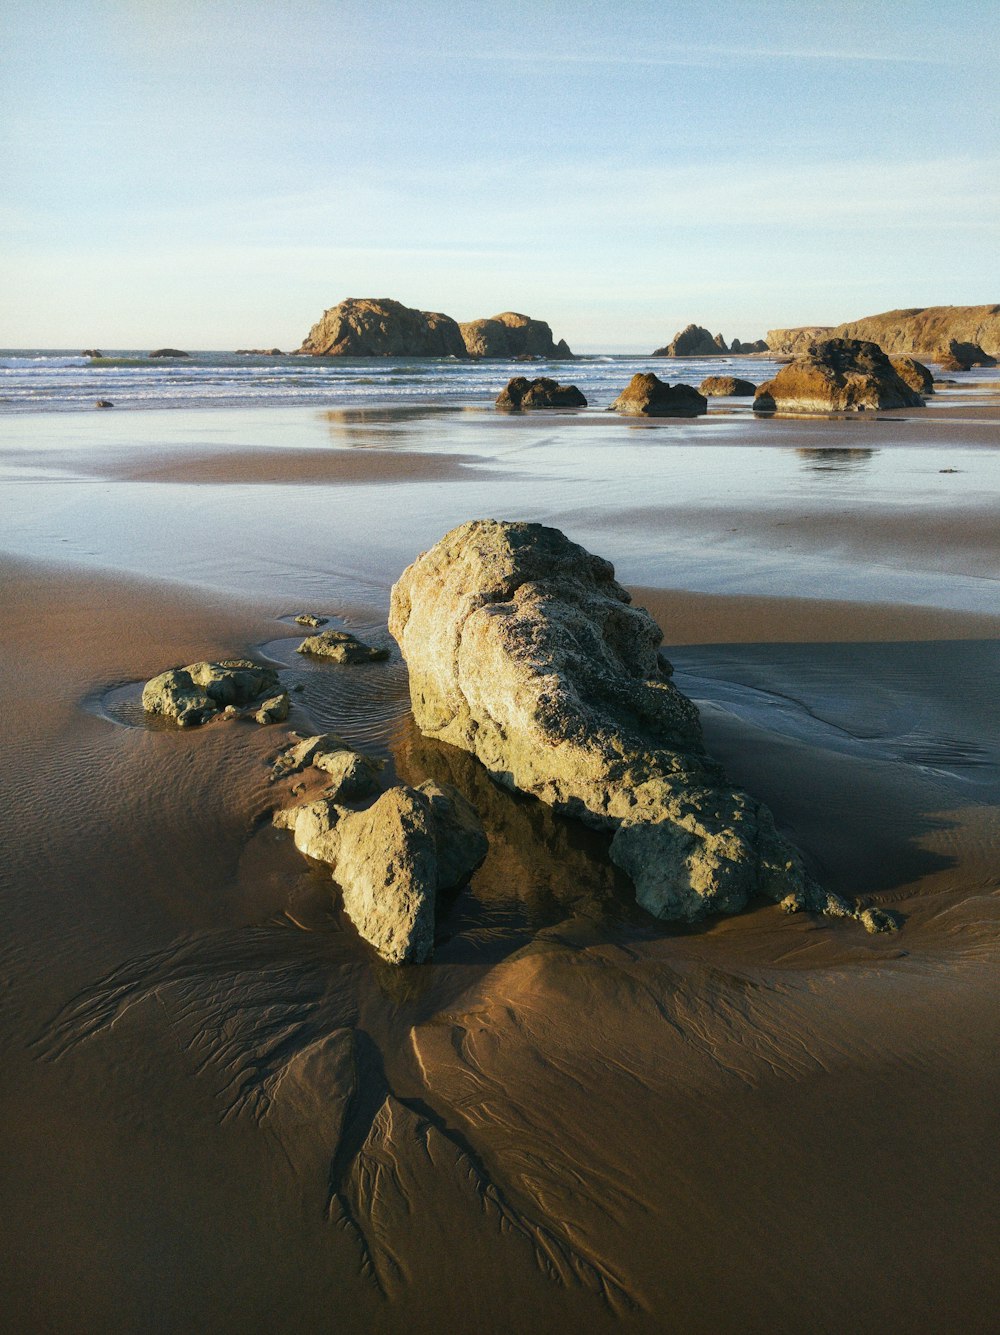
694	341
511	335
727	386
646	395
393	860
957	356
524	650
541	393
793	342
837	375
925	331
193	694
380	327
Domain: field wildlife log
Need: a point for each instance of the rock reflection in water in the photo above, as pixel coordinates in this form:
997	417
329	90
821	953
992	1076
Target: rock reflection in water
542	868
833	460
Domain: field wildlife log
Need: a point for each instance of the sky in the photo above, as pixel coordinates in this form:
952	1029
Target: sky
210	174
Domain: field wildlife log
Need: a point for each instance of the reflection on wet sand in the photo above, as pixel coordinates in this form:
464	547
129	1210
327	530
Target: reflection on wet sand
833	460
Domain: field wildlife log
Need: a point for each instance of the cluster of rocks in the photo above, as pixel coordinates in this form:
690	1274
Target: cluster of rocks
541	393
524	650
646	395
393	857
232	688
842	375
696	341
381	327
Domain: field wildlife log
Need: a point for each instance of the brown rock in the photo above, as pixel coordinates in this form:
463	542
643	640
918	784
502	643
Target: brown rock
793	342
341	647
727	386
694	341
646	395
924	331
956	356
540	393
915	373
837	375
511	335
380	327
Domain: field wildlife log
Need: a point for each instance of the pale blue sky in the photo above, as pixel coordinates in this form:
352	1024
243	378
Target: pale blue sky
214	174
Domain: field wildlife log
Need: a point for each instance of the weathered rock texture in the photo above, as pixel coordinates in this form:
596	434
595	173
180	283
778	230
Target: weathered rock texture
957	356
694	341
524	650
646	395
540	393
349	774
340	646
924	331
193	694
393	860
915	373
511	335
793	342
727	386
380	327
837	375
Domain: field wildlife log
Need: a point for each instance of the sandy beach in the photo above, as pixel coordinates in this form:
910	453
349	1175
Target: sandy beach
222	1109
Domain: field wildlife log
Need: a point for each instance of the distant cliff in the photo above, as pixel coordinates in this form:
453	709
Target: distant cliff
918	331
380	327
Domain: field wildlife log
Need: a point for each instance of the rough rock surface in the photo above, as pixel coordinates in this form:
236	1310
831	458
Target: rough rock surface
793	342
646	395
351	775
524	650
310	619
380	327
915	373
393	860
727	386
958	356
342	647
540	393
192	694
924	331
274	709
694	341
511	335
169	352
837	375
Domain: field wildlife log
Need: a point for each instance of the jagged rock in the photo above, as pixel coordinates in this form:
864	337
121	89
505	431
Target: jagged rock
392	860
310	619
511	335
380	327
646	395
91	352
837	375
956	356
914	373
720	343
104	403
341	647
523	650
195	693
694	341
541	393
727	386
274	709
169	352
299	756
745	349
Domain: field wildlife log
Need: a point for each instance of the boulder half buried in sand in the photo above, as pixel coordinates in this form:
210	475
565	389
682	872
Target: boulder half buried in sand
392	860
646	395
341	647
540	393
727	386
193	694
524	650
837	375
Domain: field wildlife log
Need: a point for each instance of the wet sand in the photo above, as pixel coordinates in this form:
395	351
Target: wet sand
221	1111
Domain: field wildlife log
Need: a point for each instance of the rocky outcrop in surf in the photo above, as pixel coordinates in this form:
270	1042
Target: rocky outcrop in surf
956	356
524	650
646	395
837	375
511	335
169	352
381	327
521	393
696	341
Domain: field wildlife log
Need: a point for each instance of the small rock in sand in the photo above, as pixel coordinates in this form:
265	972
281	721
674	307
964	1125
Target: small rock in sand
274	709
310	619
200	691
104	403
341	647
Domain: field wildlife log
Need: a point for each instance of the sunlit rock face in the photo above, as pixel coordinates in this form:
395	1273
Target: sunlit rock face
837	375
523	649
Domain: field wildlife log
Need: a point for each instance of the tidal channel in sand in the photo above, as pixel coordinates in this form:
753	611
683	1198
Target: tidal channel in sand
222	1111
